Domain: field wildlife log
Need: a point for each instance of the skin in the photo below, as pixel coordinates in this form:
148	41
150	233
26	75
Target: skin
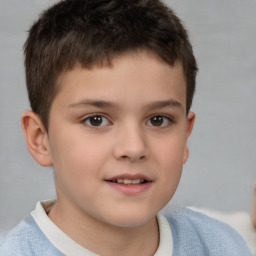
127	95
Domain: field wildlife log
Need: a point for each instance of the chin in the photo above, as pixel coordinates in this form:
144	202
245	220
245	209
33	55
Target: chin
130	219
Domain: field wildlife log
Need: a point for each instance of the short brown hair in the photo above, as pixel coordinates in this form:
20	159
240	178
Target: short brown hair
92	32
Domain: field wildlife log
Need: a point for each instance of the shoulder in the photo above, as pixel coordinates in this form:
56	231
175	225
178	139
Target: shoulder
195	233
26	240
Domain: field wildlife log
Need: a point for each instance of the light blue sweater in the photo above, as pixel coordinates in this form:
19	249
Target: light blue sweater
194	234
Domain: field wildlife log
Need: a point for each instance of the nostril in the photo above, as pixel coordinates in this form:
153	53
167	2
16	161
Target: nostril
133	158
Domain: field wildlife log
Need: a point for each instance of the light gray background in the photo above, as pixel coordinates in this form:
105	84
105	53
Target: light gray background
222	164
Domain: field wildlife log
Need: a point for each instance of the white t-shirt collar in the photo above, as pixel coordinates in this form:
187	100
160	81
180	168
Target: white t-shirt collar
69	247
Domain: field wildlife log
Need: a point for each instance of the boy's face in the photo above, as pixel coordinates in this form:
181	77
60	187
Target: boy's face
114	125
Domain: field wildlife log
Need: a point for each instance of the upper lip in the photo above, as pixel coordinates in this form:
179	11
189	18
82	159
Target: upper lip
130	177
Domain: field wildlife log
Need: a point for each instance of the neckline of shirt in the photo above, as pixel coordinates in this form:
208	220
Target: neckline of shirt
69	247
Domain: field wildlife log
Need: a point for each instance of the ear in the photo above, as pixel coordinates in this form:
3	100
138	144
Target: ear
190	124
36	138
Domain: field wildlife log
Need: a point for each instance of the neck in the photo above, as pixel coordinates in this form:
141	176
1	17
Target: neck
90	233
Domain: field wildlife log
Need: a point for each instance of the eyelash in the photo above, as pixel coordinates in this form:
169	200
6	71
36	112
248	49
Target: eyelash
167	120
96	115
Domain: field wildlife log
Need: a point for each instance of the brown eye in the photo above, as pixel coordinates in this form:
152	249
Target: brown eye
157	120
160	121
96	121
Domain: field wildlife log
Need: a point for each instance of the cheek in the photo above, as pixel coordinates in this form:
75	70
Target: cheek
171	168
169	164
78	165
75	151
75	172
170	153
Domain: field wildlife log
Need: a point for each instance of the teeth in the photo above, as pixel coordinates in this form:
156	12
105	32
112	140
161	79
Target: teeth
138	181
128	181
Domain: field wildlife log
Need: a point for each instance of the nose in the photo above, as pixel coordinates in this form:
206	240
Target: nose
130	144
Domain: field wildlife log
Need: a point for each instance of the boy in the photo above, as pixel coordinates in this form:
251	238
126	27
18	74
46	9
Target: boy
110	85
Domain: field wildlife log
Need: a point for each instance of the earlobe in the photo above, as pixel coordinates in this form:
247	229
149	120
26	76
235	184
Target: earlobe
36	138
190	124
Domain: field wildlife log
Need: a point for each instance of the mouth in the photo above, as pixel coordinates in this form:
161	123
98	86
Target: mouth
129	181
130	184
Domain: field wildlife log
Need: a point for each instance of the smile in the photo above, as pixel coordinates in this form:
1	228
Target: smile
130	185
129	181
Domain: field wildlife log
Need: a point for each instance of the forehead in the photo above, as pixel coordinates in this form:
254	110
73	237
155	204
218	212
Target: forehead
137	75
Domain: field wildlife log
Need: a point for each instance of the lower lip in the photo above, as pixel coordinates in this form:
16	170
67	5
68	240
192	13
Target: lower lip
130	189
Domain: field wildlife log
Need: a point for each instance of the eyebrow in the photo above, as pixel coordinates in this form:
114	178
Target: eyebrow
92	102
107	104
165	103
